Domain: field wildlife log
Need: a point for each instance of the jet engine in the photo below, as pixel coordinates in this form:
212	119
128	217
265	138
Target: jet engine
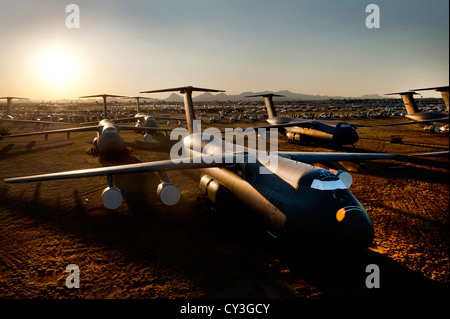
432	128
211	188
168	193
112	197
294	137
148	137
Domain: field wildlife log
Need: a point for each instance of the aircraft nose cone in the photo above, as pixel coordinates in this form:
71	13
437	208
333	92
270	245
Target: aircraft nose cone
345	136
356	230
110	143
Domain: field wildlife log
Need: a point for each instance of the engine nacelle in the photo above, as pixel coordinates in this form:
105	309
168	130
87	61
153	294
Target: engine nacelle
168	193
210	188
344	176
112	197
148	137
433	128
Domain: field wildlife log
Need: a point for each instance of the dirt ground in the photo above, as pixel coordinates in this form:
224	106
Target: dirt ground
145	250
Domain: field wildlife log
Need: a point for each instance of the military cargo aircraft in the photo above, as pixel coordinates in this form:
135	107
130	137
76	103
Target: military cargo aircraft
300	131
295	199
429	120
108	140
7	121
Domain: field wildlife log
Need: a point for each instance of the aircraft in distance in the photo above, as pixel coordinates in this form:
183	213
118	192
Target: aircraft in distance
299	131
428	120
296	200
143	120
7	121
108	138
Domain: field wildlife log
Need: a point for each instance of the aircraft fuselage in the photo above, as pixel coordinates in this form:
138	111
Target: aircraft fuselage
340	133
298	201
108	138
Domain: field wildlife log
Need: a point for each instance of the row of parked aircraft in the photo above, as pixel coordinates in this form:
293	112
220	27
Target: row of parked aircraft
297	200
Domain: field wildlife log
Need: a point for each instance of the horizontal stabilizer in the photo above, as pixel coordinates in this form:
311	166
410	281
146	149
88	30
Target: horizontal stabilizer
438	88
104	95
403	93
13	98
183	89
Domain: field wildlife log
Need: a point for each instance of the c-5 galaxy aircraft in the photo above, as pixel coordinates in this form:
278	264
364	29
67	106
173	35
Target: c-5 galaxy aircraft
7	121
108	140
299	131
429	120
143	120
296	200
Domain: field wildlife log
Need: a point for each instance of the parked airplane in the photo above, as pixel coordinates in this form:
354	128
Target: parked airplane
296	200
429	120
143	120
299	131
7	121
108	138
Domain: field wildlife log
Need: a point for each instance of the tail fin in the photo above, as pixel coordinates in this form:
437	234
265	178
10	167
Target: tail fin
269	103
138	105
104	96
188	104
442	89
8	102
408	99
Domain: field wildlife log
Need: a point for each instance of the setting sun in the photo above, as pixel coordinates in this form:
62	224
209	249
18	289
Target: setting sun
58	67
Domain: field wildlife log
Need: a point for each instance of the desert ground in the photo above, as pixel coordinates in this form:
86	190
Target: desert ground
146	250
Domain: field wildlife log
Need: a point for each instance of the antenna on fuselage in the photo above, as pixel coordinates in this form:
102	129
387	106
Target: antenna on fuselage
8	102
408	100
269	103
188	104
444	92
104	96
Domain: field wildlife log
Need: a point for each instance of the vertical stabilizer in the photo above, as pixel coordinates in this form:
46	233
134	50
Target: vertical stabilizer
188	103
8	102
408	100
269	103
104	96
442	89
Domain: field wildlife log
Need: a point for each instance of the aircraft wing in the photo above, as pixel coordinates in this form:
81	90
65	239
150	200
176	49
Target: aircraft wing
34	121
317	157
444	119
142	128
65	130
304	123
433	154
119	169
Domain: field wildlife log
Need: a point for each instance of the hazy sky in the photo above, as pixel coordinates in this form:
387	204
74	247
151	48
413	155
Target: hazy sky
320	47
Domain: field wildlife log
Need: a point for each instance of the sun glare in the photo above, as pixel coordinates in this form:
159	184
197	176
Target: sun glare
58	67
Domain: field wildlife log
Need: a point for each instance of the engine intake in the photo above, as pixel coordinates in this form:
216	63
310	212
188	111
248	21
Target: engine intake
112	197
209	187
168	193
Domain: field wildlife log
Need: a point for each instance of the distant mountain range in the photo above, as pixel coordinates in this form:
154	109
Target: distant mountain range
288	95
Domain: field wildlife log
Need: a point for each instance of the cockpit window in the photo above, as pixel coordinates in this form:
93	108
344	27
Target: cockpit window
327	185
327	181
